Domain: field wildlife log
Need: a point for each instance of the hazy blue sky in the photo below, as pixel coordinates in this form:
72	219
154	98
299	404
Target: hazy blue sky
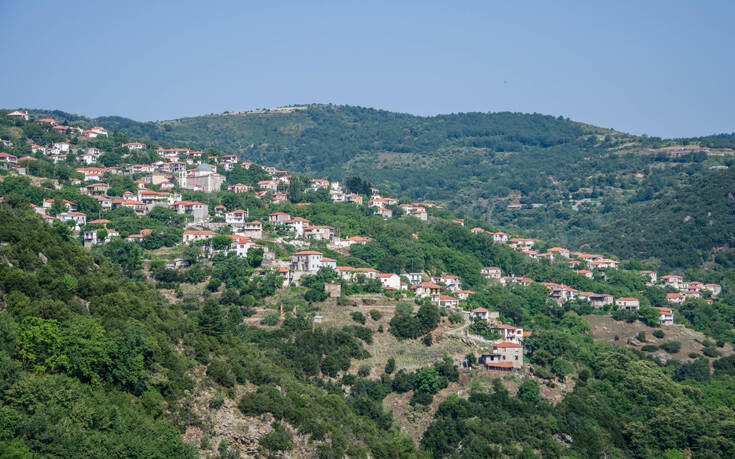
661	68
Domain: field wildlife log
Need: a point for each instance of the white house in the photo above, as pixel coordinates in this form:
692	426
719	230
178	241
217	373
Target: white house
319	232
383	212
666	316
198	210
252	230
134	146
716	289
236	217
297	225
198	235
240	245
673	281
78	218
390	280
628	303
308	260
508	332
278	218
19	114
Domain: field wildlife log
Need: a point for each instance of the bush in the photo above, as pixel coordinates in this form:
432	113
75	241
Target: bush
214	284
216	402
220	372
278	440
725	365
271	319
456	318
710	351
641	337
358	317
428	340
421	398
658	334
529	391
672	347
697	370
390	366
363	371
413	326
649	348
375	314
314	296
152	402
561	367
362	333
404	308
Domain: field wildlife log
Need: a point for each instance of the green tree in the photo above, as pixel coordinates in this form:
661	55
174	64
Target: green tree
211	319
529	391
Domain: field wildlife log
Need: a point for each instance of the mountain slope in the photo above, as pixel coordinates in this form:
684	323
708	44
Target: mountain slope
688	228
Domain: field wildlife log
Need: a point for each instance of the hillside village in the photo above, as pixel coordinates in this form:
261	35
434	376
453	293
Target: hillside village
164	182
400	307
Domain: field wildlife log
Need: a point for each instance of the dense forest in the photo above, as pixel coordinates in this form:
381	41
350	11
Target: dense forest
575	181
688	228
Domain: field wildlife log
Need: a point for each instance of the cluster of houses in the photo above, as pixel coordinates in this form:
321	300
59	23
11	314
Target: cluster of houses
183	168
507	351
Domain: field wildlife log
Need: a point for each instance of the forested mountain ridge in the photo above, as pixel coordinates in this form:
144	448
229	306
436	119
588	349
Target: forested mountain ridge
573	180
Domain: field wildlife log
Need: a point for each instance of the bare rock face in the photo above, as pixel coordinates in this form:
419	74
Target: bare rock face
43	258
242	433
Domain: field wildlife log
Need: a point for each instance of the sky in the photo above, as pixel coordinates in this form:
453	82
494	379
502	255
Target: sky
663	68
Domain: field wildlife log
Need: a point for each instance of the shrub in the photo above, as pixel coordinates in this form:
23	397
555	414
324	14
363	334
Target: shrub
710	351
543	372
428	340
672	347
649	348
456	318
725	365
697	370
658	334
390	366
375	314
358	317
529	391
214	284
363	371
641	337
278	440
421	398
271	319
362	333
404	308
220	372
152	402
216	402
561	367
